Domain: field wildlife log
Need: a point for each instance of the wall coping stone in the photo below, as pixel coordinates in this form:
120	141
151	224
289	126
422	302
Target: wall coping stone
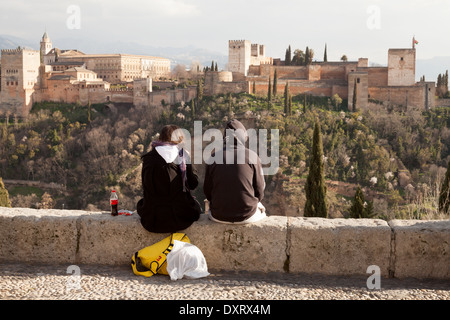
400	248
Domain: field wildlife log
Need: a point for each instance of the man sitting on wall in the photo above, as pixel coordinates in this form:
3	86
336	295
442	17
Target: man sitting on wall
234	185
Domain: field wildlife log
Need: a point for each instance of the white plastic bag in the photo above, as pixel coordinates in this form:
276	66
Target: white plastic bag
186	260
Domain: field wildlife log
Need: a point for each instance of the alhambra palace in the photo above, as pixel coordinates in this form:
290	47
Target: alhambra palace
71	76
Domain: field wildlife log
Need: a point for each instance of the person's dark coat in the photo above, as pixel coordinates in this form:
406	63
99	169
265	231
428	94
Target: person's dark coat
234	189
165	207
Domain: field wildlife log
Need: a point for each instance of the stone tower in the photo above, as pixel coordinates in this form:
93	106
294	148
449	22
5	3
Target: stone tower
401	67
19	75
242	54
239	52
46	44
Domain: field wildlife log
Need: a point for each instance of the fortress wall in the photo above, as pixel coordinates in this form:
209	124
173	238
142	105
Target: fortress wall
412	96
68	94
333	72
283	72
118	96
340	90
231	87
378	76
171	96
317	88
400	248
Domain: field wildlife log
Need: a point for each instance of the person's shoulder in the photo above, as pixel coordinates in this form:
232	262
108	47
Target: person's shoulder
151	156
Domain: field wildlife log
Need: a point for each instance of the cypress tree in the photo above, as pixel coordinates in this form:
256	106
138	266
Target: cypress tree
288	59
4	196
357	208
444	196
254	87
290	105
269	91
216	68
307	56
286	97
315	188
89	111
369	209
304	104
199	91
355	98
275	83
212	65
325	57
193	108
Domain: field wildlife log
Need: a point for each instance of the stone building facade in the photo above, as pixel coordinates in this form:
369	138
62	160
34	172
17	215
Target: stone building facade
70	76
117	68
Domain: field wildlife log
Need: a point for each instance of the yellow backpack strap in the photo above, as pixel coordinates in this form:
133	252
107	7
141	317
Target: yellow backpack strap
138	268
170	246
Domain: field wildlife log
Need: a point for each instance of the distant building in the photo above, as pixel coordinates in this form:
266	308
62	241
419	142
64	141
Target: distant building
19	76
394	84
117	68
52	74
242	54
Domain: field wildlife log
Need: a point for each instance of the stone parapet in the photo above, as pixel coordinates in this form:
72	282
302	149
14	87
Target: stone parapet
400	248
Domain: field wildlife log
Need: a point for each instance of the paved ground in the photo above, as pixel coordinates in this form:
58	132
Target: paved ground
56	282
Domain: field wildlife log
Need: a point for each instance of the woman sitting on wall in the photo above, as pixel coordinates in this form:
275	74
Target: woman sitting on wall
167	178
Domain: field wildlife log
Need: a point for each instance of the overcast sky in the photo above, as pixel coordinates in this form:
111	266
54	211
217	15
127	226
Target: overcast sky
357	28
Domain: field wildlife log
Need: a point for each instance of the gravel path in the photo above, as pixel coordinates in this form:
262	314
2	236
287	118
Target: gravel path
53	282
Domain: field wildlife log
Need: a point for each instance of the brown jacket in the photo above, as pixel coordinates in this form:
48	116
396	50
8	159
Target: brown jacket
234	189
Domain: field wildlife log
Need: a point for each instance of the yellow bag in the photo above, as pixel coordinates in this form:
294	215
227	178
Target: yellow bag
152	260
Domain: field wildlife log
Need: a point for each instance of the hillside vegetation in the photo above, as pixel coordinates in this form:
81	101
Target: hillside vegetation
397	156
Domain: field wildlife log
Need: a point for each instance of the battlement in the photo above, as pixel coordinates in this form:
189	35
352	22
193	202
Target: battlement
118	89
16	51
238	42
11	51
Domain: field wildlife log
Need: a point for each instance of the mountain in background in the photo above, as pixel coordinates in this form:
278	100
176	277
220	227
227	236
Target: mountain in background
11	42
431	68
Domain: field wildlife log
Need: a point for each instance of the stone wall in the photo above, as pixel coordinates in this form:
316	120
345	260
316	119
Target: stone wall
418	96
378	76
400	248
155	98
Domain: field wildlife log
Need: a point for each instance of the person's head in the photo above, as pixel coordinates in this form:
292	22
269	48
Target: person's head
172	134
237	130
